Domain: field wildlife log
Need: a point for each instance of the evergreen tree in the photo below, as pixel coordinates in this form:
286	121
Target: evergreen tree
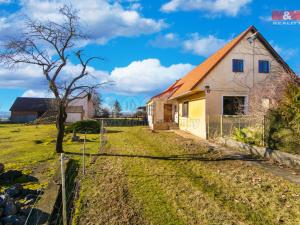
284	122
117	109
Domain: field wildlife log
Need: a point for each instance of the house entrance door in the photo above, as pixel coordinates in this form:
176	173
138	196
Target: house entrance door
168	113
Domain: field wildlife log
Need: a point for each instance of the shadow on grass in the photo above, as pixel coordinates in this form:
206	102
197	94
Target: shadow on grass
113	131
183	157
11	177
37	217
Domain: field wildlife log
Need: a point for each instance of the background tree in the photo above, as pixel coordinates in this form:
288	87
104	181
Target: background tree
98	101
117	109
49	45
104	113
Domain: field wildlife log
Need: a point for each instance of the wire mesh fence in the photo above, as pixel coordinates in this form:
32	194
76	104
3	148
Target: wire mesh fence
75	171
71	190
224	126
124	122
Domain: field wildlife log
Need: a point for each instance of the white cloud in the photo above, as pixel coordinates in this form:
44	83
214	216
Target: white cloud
147	76
25	76
194	43
285	53
136	6
30	76
5	1
101	20
38	94
265	18
169	40
203	46
212	7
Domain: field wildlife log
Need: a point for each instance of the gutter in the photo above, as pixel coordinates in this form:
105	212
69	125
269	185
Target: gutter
185	94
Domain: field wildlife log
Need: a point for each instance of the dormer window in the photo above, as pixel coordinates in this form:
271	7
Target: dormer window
263	66
237	65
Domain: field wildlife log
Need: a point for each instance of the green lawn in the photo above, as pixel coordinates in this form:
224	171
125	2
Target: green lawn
155	178
161	178
30	149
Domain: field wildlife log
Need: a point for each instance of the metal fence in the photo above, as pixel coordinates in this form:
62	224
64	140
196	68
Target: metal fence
223	125
124	122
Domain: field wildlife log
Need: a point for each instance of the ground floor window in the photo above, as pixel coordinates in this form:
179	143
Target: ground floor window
234	105
185	109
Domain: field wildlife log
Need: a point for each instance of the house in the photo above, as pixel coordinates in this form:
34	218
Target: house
243	77
27	109
141	109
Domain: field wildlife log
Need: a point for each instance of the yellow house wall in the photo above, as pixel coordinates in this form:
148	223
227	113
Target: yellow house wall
195	122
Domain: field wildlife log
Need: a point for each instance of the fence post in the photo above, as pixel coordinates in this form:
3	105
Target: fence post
207	126
83	154
263	131
221	125
101	134
63	189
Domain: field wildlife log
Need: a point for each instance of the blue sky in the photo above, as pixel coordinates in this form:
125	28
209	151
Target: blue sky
147	45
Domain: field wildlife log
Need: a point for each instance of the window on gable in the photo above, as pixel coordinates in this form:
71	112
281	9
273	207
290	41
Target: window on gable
263	66
185	109
238	65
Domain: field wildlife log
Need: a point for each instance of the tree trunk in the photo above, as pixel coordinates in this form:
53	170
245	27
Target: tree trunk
60	125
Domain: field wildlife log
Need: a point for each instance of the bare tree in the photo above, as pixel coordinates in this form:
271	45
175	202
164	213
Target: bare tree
49	45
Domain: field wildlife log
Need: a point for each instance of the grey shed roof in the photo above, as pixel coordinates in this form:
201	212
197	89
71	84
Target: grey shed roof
32	104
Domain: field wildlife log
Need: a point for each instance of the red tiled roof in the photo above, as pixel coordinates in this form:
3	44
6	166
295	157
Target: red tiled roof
169	90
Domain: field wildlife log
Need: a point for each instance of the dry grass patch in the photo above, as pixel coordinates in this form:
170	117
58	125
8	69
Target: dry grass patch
173	180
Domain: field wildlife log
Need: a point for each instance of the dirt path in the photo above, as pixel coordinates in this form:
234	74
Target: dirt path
290	174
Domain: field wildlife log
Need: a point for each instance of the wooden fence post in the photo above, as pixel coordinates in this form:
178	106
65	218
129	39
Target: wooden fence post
263	131
207	126
63	189
83	154
221	125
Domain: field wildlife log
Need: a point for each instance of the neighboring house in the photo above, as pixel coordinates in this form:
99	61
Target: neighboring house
141	109
243	77
89	106
26	109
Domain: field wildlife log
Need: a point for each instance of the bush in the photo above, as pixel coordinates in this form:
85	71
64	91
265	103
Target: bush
88	126
249	135
284	122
